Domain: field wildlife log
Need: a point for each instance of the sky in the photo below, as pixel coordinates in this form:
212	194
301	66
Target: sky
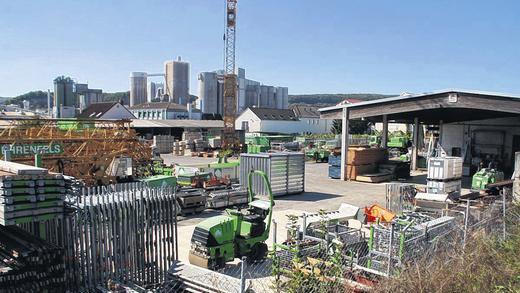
333	46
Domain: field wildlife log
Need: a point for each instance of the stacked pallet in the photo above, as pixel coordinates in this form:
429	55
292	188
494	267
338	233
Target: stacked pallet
191	200
363	160
163	143
234	196
334	167
190	136
444	176
28	263
29	194
200	145
179	148
215	143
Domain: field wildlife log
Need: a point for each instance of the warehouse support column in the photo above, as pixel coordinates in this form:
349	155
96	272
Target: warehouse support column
415	142
384	137
441	126
344	143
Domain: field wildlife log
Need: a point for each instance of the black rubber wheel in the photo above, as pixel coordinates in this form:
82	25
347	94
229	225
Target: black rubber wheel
258	252
217	263
220	263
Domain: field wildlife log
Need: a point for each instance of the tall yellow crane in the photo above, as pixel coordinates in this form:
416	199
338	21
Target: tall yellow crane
230	139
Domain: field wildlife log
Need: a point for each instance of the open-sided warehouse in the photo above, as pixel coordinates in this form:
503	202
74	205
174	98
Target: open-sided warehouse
176	127
477	125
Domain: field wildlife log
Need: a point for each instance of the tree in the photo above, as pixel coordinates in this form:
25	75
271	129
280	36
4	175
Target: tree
355	126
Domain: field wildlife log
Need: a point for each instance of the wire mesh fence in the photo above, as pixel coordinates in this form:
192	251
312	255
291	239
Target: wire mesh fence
334	257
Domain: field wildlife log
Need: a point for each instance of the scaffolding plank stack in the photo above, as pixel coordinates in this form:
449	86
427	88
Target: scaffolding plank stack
29	194
28	263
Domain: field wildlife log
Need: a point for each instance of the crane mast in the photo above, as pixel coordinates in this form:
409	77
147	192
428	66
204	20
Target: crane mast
230	78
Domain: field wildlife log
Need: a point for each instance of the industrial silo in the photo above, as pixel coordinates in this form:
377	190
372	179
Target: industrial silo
177	75
267	98
208	92
253	95
63	91
271	102
138	88
281	97
263	96
285	97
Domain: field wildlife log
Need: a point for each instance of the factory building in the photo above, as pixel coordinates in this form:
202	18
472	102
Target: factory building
138	88
71	98
177	76
165	111
155	91
86	96
251	93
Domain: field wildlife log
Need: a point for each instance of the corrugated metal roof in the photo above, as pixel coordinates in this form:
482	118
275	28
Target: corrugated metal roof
411	96
163	105
274	114
306	111
181	123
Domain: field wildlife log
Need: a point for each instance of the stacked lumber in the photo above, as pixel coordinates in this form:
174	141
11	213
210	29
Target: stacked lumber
28	263
363	160
364	156
29	194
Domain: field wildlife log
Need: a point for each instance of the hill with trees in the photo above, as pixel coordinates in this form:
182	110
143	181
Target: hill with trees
331	99
37	99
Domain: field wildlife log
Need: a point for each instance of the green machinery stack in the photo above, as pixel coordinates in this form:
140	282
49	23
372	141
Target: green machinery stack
236	234
486	176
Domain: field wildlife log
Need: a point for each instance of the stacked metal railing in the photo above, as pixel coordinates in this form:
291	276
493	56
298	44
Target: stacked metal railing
125	233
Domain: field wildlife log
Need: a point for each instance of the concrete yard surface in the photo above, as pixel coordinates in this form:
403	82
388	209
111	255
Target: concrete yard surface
321	193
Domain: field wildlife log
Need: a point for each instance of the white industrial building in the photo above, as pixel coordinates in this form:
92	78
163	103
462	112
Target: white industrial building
303	120
251	93
165	111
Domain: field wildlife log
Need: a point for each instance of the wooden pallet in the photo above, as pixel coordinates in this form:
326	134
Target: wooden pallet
374	178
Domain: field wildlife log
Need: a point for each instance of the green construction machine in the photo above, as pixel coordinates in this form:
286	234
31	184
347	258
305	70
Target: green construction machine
486	176
238	233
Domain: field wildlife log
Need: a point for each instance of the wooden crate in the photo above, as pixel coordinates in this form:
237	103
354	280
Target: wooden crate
352	171
365	156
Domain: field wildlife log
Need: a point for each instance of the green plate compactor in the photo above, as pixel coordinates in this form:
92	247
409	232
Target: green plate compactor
238	233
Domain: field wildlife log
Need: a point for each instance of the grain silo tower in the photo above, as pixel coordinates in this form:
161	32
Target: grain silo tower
63	95
138	88
177	76
208	92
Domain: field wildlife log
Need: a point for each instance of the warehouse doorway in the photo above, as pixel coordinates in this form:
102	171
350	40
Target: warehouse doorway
516	145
